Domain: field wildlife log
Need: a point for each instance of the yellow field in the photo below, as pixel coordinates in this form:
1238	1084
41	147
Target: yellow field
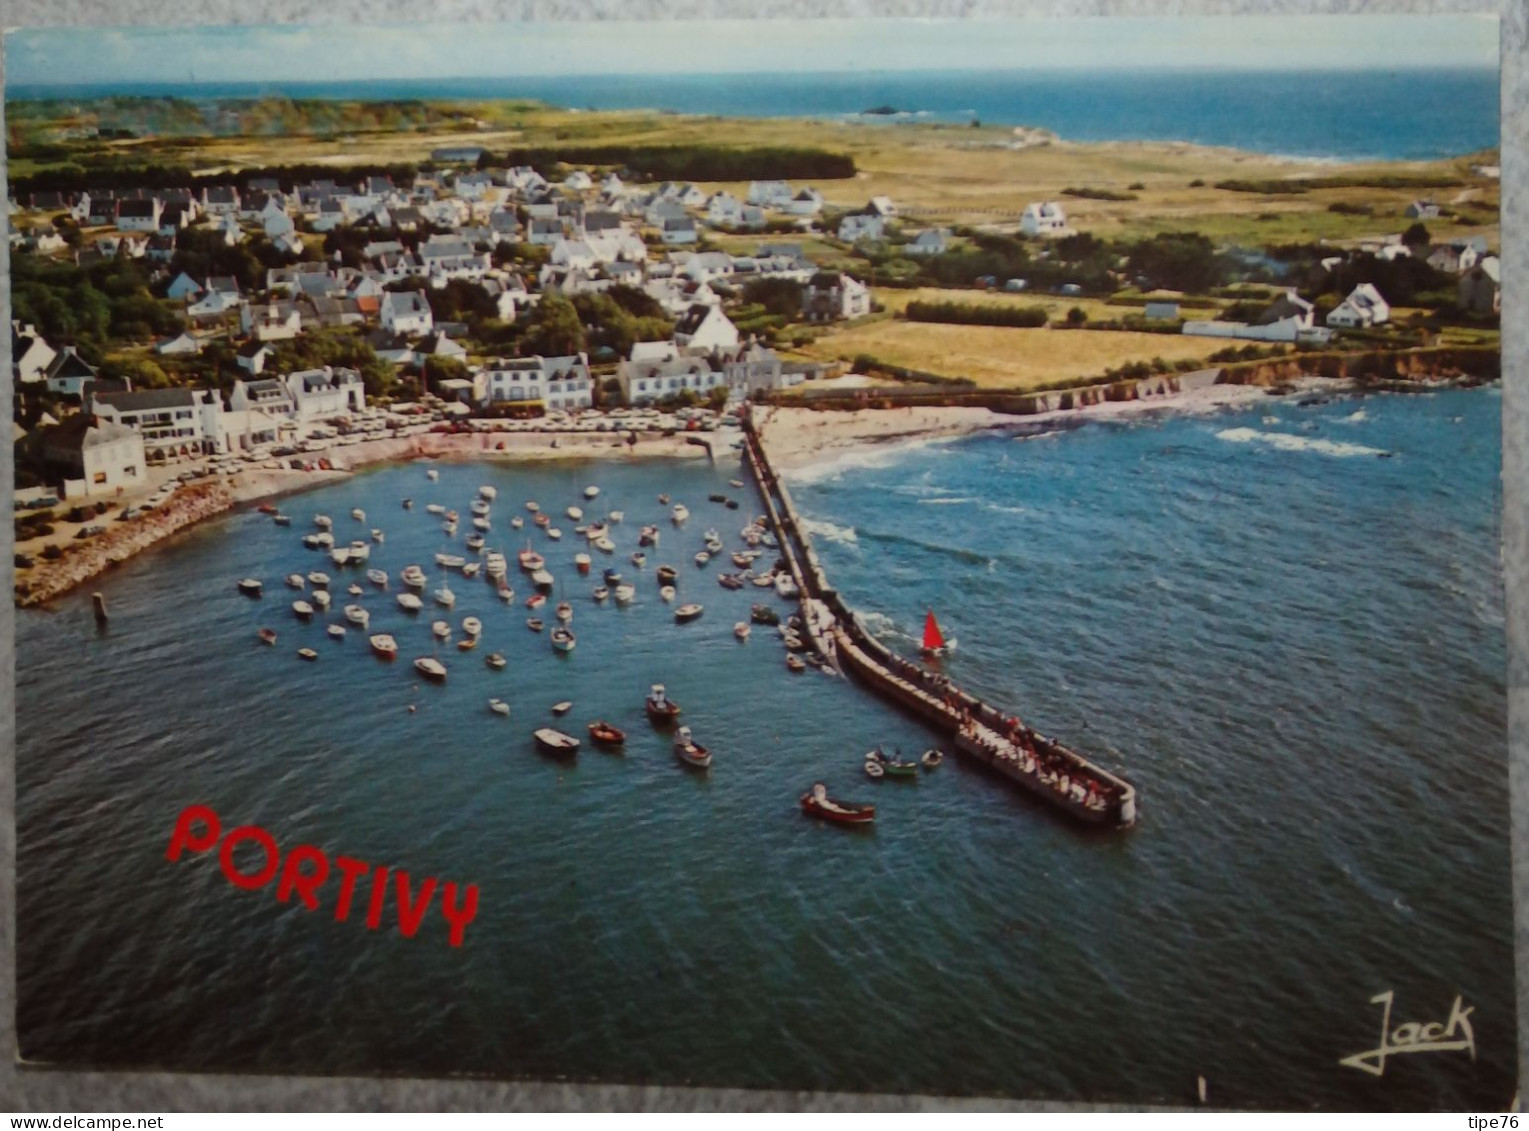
1001	357
896	300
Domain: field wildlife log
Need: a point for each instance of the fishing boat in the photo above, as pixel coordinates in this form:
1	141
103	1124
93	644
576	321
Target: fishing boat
378	577
931	759
702	558
377	536
321	600
384	645
530	560
318	578
536	600
470	569
667	594
432	474
516	522
639	559
667	575
603	734
575	513
612	576
660	708
556	743
795	663
625	593
690	752
817	803
358	514
267	635
430	668
488	492
468	644
687	613
564	611
340	556
742	629
499	707
562	640
409	603
413	577
336	631
934	643
891	767
763	614
357	615
648	536
680	513
282	519
472	626
323	521
444	596
307	654
581	563
434	508
535	624
354	590
542	579
475	542
250	586
601	593
562	707
441	630
496	661
591	492
302	609
450	561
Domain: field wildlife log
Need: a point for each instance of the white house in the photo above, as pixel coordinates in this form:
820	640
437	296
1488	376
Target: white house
578	181
560	383
30	354
680	231
724	209
252	356
808	202
882	206
1045	218
221	200
319	393
832	295
858	226
769	194
268	394
1452	258
705	328
1480	289
406	312
931	241
183	344
1363	307
174	423
543	231
213	305
69	373
138	215
95	455
183	286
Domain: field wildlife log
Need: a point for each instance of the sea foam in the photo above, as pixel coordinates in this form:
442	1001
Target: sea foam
1285	442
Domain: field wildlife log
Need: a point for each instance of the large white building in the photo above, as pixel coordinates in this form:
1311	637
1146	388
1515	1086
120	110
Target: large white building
318	393
1363	307
558	383
95	456
406	312
1044	218
174	423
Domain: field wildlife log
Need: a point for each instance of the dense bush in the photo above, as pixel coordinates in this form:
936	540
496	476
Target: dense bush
695	162
1099	194
972	314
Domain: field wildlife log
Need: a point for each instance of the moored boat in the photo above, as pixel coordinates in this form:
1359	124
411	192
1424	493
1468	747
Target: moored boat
340	556
576	513
323	521
581	563
535	624
702	558
795	663
666	594
516	522
357	615
817	803
475	542
931	758
481	525
472	626
667	575
434	508
488	492
430	668
763	614
604	545
282	519
302	609
536	600
542	579
318	578
360	551
444	596
691	752
496	661
639	559
267	635
413	577
336	631
679	514
555	742
450	561
432	474
648	536
564	611
601	593
321	600
384	645
660	708
891	767
554	533
498	706
378	536
625	593
307	654
742	629
354	590
468	644
604	734
562	640
533	506
470	569
378	577
687	613
408	504
562	707
409	603
250	586
441	630
530	560
591	492
358	514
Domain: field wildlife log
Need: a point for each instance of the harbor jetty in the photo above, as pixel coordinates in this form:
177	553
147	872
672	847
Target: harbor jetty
1000	740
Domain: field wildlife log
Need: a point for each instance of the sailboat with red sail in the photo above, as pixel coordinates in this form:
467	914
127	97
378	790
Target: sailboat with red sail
935	643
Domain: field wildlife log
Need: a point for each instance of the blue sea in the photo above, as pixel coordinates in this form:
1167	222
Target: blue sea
1348	116
1284	625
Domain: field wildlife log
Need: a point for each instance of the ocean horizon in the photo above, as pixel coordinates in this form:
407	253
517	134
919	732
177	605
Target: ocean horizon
1359	115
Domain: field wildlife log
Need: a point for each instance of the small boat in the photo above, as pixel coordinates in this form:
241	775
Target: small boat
542	579
648	536
713	546
667	594
441	630
434	508
639	559
785	586
730	581
267	635
495	564
817	803
581	563
250	587
358	514
323	521
302	609
795	663
481	525
451	517
564	611
625	593
731	504
410	603
321	599
591	492
735	482
282	519
717	498
360	551
680	513
377	536
532	507
408	504
479	508
450	561
516	522
602	733
430	668
934	643
266	508
690	752
384	645
413	577
562	640
660	708
612	576
323	540
449	529
542	520
763	581
562	707
743	560
378	578
530	561
506	594
763	614
444	596
340	556
663	500
357	615
534	624
601	593
891	767
576	514
475	542
488	492
667	575
616	516
605	545
319	579
554	533
468	644
432	474
499	707
470	569
555	742
742	629
307	654
336	631
931	759
536	600
687	613
472	626
496	661
354	590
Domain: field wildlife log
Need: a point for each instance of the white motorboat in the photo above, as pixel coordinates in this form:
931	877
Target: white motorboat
323	540
785	586
449	529
482	525
441	630
702	558
605	545
360	551
377	536
470	569
319	579
517	522
687	613
323	521
533	506
475	542
495	565
499	707
432	474
321	600
336	631
742	629
639	559
385	646
564	611
410	603
542	579
250	587
354	590
554	533
581	563
625	592
434	508
296	581
430	668
489	493
377	577
302	609
680	513
472	626
358	514
413	577
506	594
595	531
444	596
450	561
575	513
479	508
340	556
357	615
562	640
667	593
648	537
617	516
531	561
591	492
601	593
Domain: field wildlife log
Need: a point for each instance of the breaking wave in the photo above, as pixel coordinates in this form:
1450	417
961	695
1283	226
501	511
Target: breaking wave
1285	442
830	532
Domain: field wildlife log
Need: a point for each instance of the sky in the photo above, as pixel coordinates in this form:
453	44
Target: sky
297	53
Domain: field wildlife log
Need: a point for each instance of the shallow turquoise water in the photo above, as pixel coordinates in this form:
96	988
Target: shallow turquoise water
1293	648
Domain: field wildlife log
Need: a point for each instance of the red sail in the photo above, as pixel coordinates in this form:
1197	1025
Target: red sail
932	637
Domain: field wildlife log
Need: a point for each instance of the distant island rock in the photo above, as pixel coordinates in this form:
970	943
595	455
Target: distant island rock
882	110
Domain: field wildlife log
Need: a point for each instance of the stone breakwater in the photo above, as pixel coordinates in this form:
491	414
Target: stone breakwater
82	562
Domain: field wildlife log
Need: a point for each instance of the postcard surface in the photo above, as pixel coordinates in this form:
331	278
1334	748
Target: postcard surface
975	573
